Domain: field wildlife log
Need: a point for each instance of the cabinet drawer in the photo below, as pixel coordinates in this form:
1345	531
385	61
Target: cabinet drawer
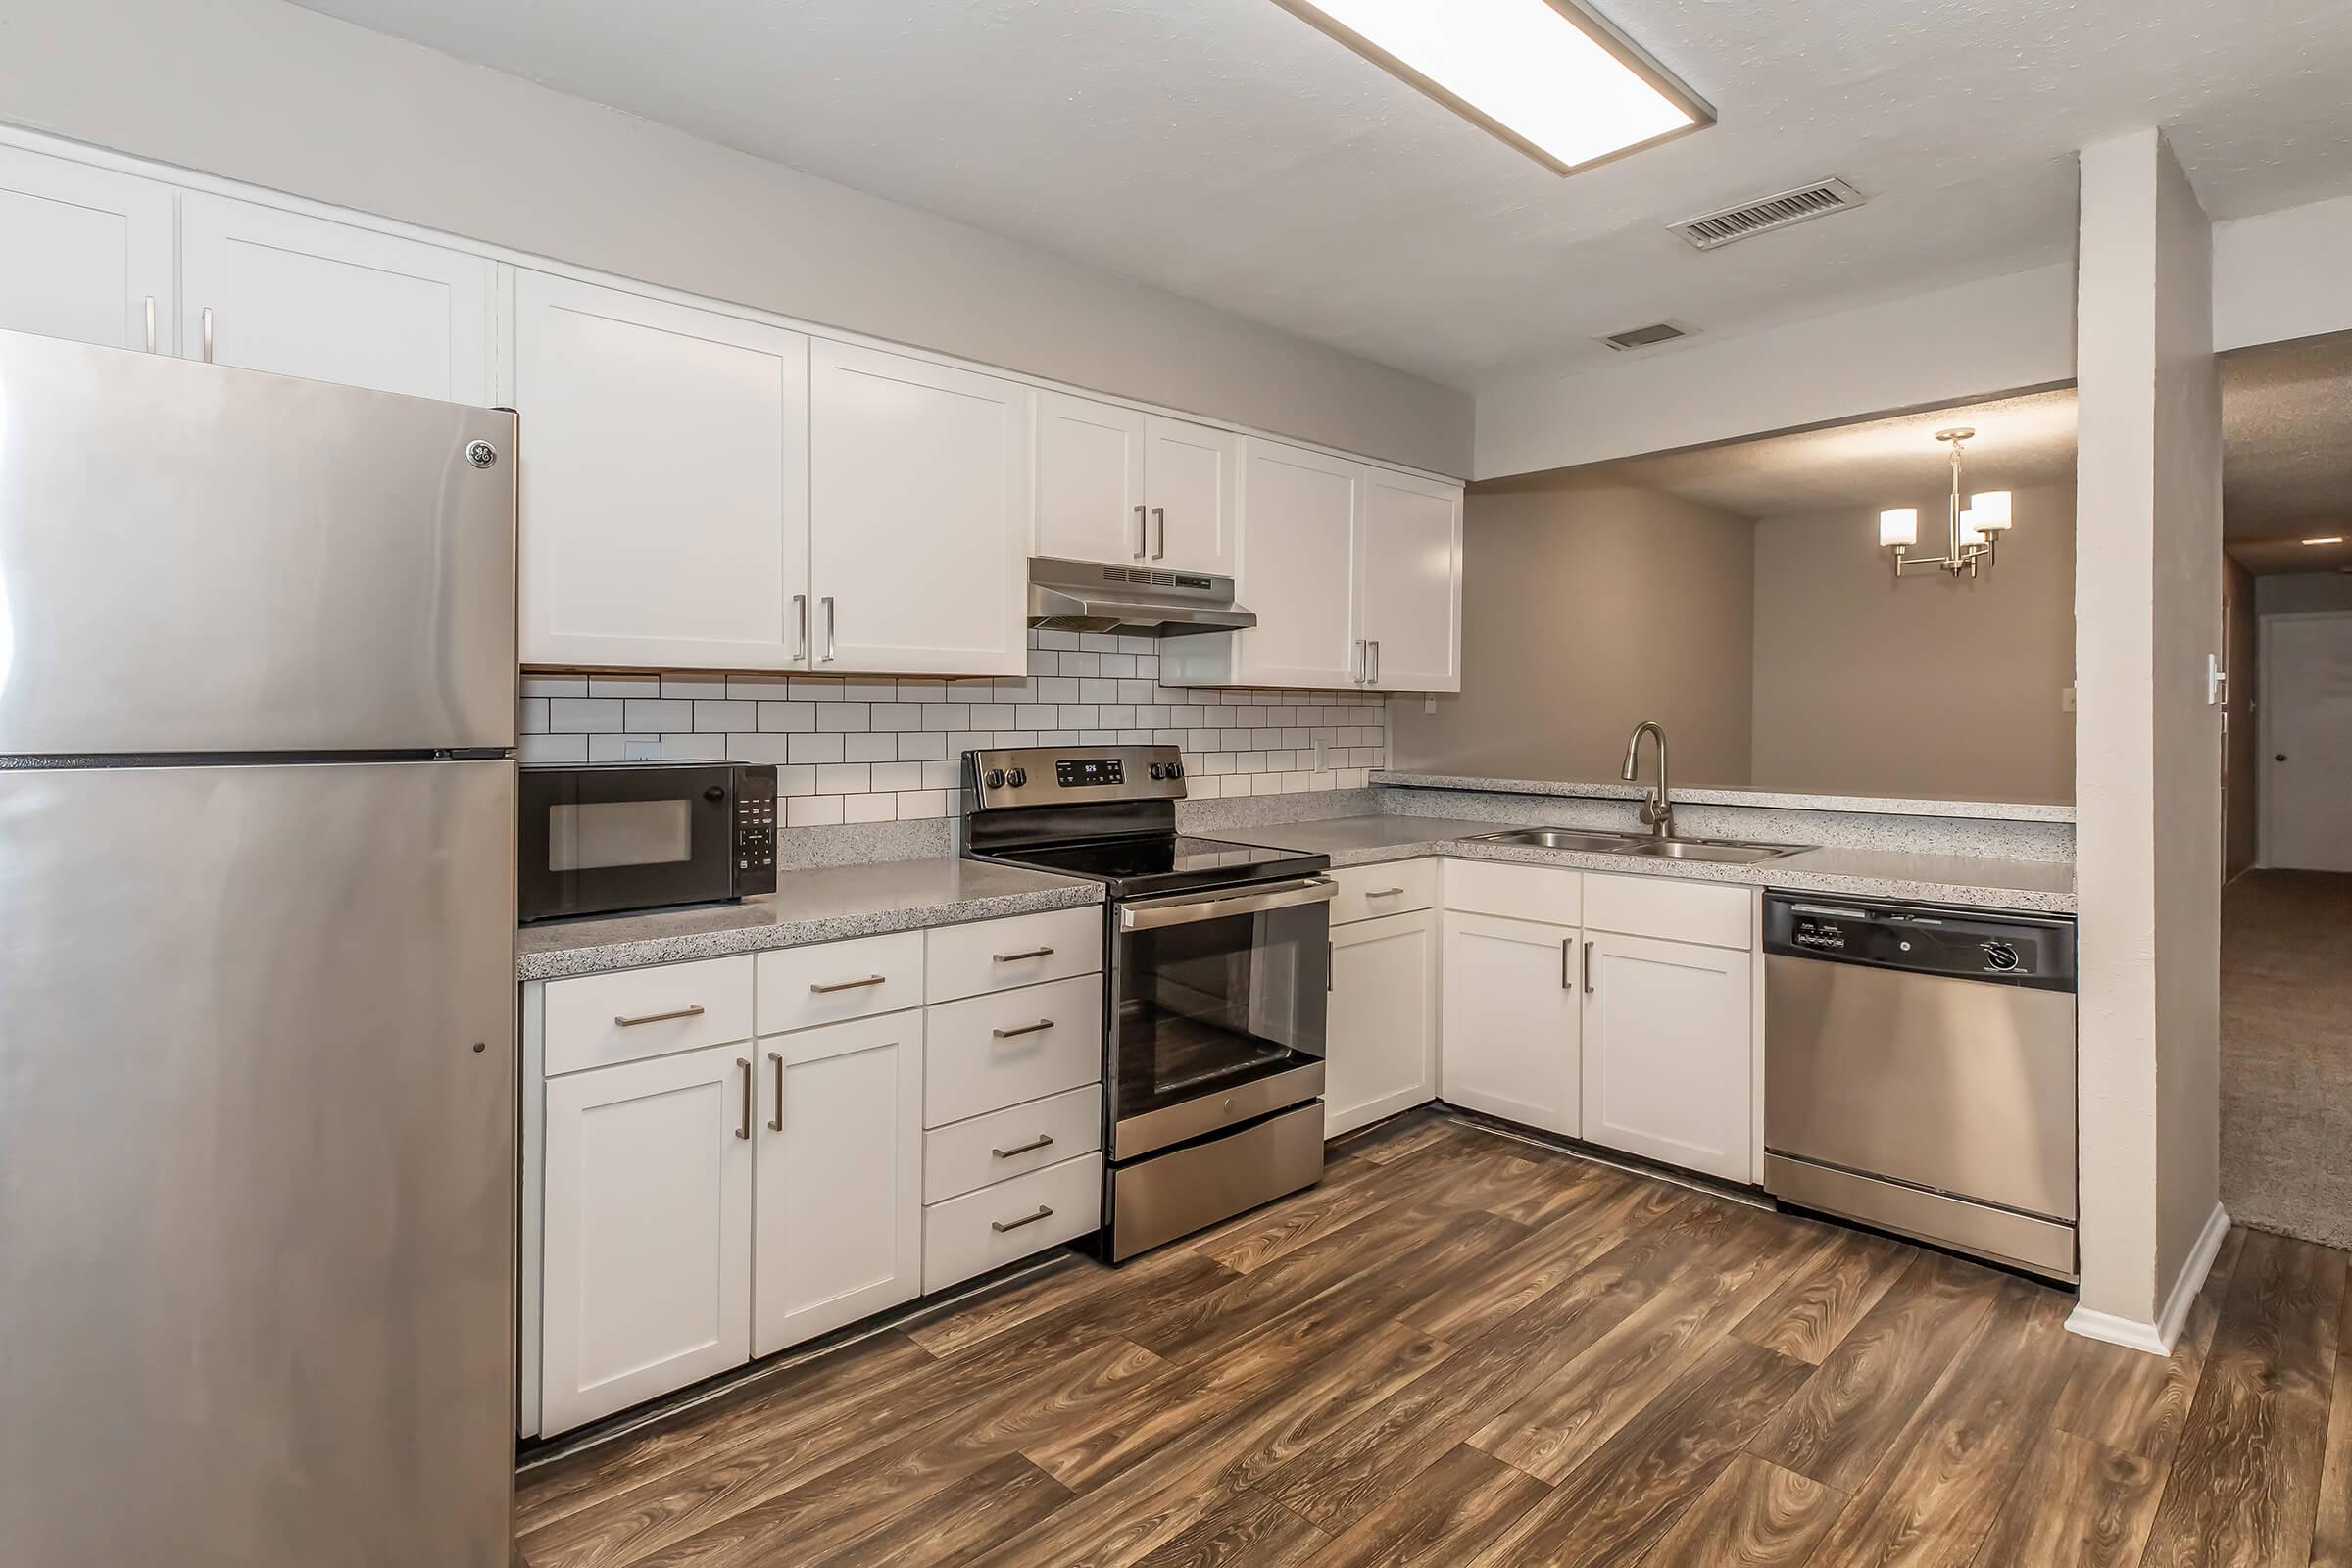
836	981
600	1020
965	960
961	1238
1545	892
986	1052
970	1155
1395	887
1709	913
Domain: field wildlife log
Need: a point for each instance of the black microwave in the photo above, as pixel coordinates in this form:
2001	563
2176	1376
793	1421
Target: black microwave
597	840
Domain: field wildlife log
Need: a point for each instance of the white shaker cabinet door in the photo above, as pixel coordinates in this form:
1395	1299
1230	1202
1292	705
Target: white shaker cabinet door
1412	566
920	515
1192	481
1090	481
85	253
1510	1045
1380	1045
295	295
648	1231
1296	569
665	484
1667	1061
840	1184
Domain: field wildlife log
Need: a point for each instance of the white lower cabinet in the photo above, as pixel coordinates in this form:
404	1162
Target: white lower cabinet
648	1231
1007	1222
837	1216
1667	1064
1512	1022
1380	1043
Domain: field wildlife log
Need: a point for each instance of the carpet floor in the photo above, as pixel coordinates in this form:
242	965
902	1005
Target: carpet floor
2287	1053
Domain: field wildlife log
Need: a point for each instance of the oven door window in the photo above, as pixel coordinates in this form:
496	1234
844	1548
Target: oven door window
626	840
1213	1003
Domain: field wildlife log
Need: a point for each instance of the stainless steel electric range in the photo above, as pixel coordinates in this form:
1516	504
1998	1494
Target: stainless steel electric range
1217	964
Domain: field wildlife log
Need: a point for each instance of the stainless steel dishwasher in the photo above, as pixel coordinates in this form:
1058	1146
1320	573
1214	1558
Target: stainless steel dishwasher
1919	1072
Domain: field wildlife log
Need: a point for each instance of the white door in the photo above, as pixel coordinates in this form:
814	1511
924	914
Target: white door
296	295
839	1234
920	500
1299	514
665	484
1192	479
85	253
648	1231
1412	566
1380	1046
1509	1045
1090	481
2307	742
1668	1065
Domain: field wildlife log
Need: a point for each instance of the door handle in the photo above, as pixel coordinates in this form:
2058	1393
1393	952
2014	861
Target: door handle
208	334
1037	1028
1041	1141
1143	532
150	324
832	628
1161	513
799	606
1590	987
691	1011
2278	757
830	987
776	1123
744	1128
1043	1212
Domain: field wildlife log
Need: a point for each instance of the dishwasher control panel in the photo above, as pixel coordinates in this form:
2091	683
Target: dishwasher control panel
2036	950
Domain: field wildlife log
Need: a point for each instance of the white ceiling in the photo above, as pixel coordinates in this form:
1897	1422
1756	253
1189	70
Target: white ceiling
2286	453
1228	151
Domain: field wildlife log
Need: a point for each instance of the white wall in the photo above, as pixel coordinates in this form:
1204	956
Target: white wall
2147	766
1997	334
263	91
2283	274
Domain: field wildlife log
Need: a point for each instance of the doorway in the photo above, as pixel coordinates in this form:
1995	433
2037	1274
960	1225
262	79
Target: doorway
2306	767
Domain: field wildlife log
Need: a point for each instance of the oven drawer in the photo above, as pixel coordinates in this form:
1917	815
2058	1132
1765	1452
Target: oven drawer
969	960
597	1020
1392	887
1006	1222
1014	1142
986	1052
832	982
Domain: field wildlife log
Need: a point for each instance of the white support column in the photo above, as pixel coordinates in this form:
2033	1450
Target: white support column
2147	742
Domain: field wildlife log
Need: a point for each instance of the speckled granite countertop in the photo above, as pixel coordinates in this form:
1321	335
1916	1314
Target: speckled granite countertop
1761	800
822	904
1976	880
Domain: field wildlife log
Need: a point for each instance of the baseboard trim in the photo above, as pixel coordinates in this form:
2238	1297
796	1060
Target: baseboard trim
2159	1338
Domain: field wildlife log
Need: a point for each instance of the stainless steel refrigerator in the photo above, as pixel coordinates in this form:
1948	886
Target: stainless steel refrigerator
257	1119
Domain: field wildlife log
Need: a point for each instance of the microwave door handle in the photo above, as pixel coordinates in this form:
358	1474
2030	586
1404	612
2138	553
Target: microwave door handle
1146	914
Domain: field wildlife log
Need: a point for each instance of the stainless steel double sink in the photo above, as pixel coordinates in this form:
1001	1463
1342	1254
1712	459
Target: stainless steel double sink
1644	845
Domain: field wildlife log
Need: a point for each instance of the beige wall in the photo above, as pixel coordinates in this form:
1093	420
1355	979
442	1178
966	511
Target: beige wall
2300	593
2240	792
1931	686
1587	608
261	91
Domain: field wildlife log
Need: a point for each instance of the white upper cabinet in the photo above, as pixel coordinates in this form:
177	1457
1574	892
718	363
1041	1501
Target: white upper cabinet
85	253
1191	483
920	515
296	295
1296	571
1668	1065
665	482
1090	481
1412	586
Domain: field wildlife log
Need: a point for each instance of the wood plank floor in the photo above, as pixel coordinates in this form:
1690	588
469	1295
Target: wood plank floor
1463	1350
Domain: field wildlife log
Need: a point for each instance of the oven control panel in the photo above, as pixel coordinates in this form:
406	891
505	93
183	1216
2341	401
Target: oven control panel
1078	771
1067	775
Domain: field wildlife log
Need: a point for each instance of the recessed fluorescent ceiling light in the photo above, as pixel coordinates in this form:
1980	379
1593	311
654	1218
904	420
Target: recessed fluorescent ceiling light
2329	539
1548	77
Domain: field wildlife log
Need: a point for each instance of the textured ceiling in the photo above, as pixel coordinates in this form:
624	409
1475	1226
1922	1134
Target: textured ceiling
2287	469
1228	151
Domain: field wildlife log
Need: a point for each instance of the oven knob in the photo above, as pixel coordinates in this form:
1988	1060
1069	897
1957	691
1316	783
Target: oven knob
1175	770
1018	777
995	780
1159	770
1999	956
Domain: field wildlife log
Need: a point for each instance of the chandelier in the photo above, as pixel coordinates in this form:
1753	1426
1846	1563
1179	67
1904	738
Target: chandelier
1974	528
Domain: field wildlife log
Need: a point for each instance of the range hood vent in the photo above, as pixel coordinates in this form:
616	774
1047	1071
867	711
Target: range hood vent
1139	601
1764	214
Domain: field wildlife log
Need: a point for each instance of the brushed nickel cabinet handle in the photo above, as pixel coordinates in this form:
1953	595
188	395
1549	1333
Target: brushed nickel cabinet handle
1143	532
847	985
150	324
1041	1141
1386	893
1016	957
1567	948
744	1128
799	606
208	334
1161	513
1590	987
1372	676
1039	1027
1043	1212
692	1011
832	629
776	1122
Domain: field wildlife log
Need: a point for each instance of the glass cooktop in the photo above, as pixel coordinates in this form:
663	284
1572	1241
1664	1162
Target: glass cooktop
1141	863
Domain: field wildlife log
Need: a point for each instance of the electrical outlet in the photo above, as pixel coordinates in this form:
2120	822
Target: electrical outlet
2066	699
1429	704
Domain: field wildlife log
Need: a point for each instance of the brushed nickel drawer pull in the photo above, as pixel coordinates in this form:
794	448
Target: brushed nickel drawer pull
691	1011
1039	1027
1016	957
847	985
1043	1212
1041	1141
1386	893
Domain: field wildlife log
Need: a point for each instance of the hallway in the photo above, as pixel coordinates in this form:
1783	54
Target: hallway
2287	1053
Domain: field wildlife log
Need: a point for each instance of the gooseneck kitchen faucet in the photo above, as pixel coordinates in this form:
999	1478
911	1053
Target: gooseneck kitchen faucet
1658	811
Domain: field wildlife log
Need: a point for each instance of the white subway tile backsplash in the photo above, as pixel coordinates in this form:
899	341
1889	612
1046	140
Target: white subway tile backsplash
578	715
555	685
552	749
624	686
869	809
812	811
721	714
815	748
842	716
866	747
694	686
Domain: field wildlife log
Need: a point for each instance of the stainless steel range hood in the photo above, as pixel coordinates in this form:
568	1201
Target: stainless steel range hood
1146	601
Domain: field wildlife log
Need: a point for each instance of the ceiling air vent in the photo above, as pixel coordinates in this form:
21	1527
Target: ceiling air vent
1641	337
1779	211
